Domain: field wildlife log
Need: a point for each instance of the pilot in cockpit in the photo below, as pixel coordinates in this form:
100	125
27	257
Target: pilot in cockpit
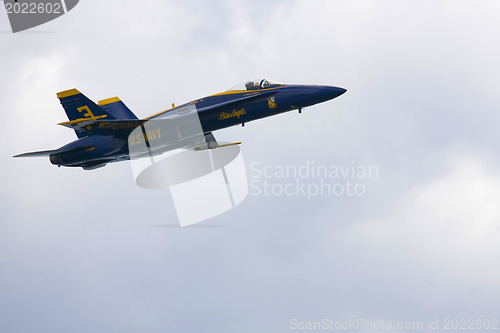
256	85
250	85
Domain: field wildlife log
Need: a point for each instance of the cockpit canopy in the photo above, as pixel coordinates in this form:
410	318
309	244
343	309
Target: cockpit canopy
255	85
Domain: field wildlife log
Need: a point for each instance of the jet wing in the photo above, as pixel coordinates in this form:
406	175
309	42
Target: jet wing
37	153
211	143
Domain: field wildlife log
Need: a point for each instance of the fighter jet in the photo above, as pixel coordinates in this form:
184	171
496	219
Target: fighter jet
108	131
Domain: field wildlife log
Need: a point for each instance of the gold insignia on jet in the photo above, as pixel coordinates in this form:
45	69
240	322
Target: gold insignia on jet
271	101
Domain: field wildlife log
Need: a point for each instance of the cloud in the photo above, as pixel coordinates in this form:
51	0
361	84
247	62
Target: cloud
447	227
76	249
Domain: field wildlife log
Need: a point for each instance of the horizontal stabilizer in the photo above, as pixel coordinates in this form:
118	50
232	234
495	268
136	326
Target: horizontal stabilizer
80	123
83	125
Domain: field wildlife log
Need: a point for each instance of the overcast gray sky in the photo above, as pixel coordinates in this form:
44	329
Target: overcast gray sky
78	252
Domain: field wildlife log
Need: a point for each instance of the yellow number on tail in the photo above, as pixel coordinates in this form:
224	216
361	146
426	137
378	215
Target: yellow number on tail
89	113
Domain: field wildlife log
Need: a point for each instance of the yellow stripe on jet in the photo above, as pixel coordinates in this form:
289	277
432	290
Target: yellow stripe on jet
108	101
67	93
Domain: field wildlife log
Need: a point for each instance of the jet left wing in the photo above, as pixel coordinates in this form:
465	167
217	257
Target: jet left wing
37	153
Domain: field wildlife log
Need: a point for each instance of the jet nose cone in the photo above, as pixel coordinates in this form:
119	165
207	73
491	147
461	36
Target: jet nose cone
332	92
310	95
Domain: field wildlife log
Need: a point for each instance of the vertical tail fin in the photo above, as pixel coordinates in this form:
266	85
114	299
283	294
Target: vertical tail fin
78	106
115	107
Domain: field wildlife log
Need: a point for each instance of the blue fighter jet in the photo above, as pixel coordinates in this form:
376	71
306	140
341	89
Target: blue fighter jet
107	131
